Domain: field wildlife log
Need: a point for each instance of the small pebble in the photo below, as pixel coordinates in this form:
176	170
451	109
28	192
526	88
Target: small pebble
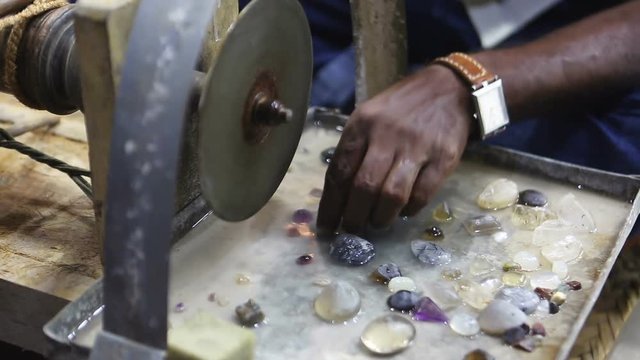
211	297
401	283
514	335
351	249
464	324
532	198
531	217
433	233
388	334
527	344
511	266
302	216
337	302
545	279
527	261
451	274
558	298
538	329
242	279
180	307
403	300
249	313
499	316
442	213
478	354
480	266
543	293
304	259
430	253
474	294
499	194
514	279
553	308
327	155
385	272
316	193
574	285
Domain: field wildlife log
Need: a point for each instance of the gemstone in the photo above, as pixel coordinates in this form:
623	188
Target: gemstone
551	231
538	329
530	217
543	308
527	260
351	249
511	266
327	154
499	194
249	313
482	225
402	283
532	197
388	334
464	324
386	272
500	316
543	293
514	335
566	250
553	308
403	300
242	279
451	274
574	285
302	216
180	307
514	279
474	294
304	259
545	279
478	355
527	344
560	268
296	230
321	281
524	299
211	297
444	294
442	213
430	253
337	302
480	266
558	298
427	310
316	193
571	211
433	233
491	284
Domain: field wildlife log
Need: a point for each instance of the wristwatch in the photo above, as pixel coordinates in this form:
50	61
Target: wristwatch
486	92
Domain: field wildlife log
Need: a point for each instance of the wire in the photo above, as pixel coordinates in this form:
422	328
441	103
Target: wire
75	173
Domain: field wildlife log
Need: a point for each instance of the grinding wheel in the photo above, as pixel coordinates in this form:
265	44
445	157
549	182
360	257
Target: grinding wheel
253	107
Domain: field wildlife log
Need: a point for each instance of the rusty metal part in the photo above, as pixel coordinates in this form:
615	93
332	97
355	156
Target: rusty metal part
380	38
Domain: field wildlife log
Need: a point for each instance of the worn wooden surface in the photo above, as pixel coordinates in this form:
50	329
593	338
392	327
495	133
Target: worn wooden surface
47	250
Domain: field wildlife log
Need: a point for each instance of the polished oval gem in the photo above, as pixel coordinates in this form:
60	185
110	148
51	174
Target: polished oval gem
464	324
402	283
430	253
527	261
327	155
337	302
302	216
558	298
514	279
481	225
427	310
532	197
500	316
567	249
545	280
304	259
403	300
524	299
388	334
574	285
499	194
351	249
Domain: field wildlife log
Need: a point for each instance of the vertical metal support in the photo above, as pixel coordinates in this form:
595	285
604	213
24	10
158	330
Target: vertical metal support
380	39
102	30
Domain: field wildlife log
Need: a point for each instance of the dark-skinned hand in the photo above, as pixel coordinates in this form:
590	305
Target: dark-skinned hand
396	150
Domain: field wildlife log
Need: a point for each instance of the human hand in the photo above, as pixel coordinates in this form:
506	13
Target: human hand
396	151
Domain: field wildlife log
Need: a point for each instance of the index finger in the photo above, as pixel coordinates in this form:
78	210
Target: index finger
337	182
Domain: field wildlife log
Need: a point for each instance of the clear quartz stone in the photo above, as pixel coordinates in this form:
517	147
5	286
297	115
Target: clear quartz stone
474	294
337	302
514	279
561	268
443	294
572	212
527	261
481	225
451	274
491	284
567	249
388	334
499	194
545	280
529	218
480	266
552	231
464	324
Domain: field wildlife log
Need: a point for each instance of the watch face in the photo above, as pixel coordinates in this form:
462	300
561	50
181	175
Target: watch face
491	108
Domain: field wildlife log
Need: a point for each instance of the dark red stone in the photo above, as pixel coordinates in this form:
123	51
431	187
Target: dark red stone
544	294
304	259
574	285
538	329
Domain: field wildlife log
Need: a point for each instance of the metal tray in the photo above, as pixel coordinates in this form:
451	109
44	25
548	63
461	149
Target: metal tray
209	257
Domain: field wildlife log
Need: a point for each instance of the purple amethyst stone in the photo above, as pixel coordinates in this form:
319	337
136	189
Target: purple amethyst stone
302	216
427	310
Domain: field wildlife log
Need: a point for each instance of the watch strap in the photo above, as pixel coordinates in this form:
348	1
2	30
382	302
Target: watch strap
470	70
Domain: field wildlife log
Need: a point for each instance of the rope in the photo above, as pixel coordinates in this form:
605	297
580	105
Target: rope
76	174
18	23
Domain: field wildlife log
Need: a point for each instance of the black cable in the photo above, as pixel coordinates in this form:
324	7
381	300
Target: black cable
75	173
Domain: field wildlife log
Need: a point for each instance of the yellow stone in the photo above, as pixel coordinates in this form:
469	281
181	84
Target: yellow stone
514	279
